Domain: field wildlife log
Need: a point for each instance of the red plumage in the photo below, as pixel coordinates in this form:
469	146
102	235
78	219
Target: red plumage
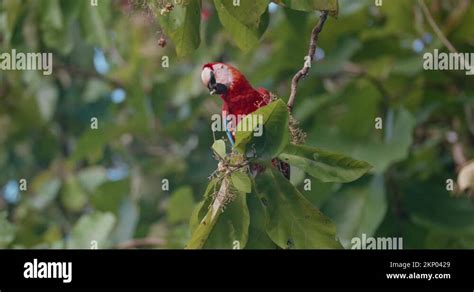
240	98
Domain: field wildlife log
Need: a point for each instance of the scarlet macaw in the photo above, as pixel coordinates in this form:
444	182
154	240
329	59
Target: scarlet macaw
239	97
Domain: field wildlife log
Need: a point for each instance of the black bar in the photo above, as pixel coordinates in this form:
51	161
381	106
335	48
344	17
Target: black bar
240	268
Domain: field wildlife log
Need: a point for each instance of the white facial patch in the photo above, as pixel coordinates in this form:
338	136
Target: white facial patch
222	74
206	76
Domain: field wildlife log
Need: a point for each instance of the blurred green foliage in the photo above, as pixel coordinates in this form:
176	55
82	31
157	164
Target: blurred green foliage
105	186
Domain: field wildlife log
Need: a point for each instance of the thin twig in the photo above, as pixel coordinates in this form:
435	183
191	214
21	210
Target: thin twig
440	34
448	45
303	72
85	73
436	28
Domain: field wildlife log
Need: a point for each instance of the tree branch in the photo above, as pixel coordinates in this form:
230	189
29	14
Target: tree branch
85	73
303	72
435	27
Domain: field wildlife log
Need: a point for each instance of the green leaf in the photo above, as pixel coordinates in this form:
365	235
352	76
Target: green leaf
274	136
92	24
91	143
180	205
55	30
219	148
231	229
202	221
109	195
264	22
430	205
12	11
182	25
217	229
311	5
358	209
92	177
128	218
324	165
396	144
201	234
199	212
241	181
46	98
258	237
7	230
46	188
351	131
291	220
201	208
52	16
244	22
90	228
73	196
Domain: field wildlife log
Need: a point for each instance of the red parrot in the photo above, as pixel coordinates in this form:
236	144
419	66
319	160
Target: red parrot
239	97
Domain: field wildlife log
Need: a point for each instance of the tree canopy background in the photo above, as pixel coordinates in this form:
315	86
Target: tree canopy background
106	184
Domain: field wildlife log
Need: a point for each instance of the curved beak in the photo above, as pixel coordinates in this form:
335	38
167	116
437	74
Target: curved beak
217	88
214	87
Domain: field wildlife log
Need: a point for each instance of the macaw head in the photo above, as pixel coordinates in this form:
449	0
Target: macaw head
224	79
